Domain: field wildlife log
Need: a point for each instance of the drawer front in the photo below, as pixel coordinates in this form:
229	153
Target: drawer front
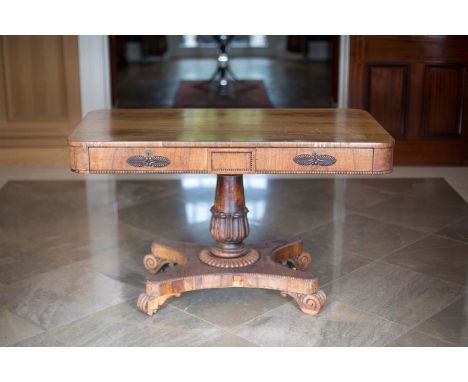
154	159
231	161
313	160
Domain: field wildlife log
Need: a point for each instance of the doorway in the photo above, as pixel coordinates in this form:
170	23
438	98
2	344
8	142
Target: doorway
267	71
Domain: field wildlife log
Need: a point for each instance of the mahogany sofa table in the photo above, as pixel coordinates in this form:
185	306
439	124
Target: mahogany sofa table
230	143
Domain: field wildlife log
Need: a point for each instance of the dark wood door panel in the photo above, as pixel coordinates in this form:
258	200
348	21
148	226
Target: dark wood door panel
417	88
386	97
396	49
443	100
428	153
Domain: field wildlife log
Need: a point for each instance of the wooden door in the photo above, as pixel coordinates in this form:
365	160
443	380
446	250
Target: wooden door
39	90
417	88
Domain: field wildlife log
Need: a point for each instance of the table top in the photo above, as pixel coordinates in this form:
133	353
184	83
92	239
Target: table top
231	128
231	141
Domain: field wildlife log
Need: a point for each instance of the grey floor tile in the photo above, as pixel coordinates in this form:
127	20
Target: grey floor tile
93	232
60	296
451	324
296	222
354	194
14	329
65	244
416	213
416	339
436	190
24	205
391	185
330	263
166	214
336	325
409	186
133	192
42	340
228	340
365	236
229	307
124	325
457	231
435	256
393	292
121	265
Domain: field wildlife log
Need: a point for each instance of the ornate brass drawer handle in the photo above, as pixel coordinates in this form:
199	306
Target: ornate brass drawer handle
314	160
148	160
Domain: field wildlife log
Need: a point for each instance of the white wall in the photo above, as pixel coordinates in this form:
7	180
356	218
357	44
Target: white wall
343	72
95	81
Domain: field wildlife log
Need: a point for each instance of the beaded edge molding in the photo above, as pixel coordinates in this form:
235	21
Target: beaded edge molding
214	173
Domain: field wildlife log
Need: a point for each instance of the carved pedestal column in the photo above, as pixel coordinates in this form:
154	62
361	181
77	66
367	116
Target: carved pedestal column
229	226
229	263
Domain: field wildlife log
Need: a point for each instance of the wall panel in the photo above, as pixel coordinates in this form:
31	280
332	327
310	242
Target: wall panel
417	88
443	100
39	89
386	97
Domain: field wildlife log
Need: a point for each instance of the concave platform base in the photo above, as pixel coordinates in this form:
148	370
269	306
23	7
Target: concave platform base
177	269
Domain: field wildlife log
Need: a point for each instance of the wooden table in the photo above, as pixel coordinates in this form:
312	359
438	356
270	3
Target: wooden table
230	143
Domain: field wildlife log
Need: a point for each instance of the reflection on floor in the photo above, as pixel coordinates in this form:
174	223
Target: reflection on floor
391	254
288	83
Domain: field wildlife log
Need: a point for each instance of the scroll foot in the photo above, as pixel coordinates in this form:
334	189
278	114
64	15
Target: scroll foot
301	261
149	304
310	303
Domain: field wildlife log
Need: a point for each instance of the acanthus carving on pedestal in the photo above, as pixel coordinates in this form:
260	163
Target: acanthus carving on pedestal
229	227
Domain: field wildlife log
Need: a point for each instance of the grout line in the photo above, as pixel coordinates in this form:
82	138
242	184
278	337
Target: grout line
463	288
440	310
350	273
375	315
457	241
442	339
429	234
410	327
405	246
50	331
226	330
379	221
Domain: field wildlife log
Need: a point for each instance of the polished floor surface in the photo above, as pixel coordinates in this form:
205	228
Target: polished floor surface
391	254
289	83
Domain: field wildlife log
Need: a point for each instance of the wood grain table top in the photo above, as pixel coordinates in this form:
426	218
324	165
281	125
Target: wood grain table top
230	141
231	127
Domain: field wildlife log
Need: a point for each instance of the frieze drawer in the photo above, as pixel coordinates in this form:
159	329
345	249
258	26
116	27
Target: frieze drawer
313	160
231	161
154	159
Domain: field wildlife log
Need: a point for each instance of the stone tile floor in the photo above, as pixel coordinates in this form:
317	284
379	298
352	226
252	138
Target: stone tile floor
392	255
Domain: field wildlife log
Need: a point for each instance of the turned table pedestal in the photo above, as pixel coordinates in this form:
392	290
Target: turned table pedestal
230	143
